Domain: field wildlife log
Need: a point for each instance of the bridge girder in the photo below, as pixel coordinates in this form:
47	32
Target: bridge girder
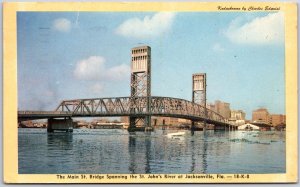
137	107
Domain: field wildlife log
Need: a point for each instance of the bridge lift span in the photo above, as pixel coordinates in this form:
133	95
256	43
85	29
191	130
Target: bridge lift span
140	106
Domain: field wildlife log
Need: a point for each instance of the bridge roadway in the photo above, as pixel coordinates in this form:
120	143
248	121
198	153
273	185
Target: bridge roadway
128	106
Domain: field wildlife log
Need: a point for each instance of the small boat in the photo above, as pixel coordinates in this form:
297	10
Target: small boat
175	134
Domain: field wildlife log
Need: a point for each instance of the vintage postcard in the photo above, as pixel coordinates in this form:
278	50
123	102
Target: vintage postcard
129	92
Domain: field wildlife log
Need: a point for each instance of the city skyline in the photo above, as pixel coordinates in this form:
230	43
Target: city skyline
87	55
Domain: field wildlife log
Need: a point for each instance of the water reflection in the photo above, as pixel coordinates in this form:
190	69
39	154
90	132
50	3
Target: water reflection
116	151
204	154
148	152
131	151
60	141
139	149
167	155
199	156
193	159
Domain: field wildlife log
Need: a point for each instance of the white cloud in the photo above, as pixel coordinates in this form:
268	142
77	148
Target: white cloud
148	27
118	72
218	47
93	68
96	88
62	25
259	31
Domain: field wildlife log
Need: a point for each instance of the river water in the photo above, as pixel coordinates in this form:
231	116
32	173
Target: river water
116	151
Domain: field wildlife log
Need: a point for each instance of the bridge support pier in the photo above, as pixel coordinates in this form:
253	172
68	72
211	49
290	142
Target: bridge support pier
220	128
195	126
231	128
140	124
65	124
227	127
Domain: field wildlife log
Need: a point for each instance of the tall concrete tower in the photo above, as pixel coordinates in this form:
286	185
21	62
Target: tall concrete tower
199	93
141	83
199	89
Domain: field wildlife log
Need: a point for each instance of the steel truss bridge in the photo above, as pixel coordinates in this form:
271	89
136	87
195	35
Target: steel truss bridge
128	106
140	106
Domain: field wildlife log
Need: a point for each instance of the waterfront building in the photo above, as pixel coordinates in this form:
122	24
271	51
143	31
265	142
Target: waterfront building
158	121
211	106
223	108
124	119
220	107
236	122
237	115
248	126
277	119
261	115
240	122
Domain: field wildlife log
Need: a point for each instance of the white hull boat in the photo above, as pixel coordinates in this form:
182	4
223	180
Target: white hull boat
175	134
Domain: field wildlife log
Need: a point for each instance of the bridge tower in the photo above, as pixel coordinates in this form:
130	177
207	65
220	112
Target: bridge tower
199	92
140	85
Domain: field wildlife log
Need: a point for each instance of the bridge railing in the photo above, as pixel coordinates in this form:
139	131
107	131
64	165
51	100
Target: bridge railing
183	107
43	112
138	106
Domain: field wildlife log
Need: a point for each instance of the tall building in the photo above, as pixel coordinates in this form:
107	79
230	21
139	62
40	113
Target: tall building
223	108
277	119
238	115
261	115
211	106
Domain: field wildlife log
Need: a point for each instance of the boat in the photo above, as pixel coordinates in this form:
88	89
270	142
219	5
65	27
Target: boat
175	134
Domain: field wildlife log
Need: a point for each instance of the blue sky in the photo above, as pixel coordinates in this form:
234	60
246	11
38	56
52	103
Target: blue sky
69	55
